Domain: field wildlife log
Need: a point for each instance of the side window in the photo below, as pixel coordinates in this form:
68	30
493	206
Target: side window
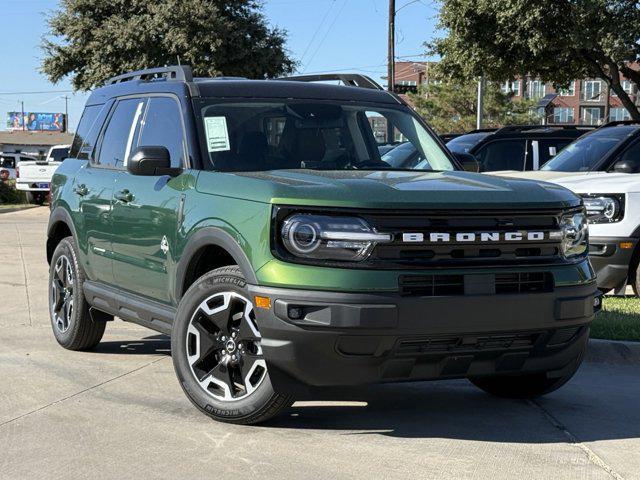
7	162
118	137
632	155
162	127
84	127
502	155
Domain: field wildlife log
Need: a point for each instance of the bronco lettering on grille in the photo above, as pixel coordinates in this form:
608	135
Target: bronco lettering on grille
470	237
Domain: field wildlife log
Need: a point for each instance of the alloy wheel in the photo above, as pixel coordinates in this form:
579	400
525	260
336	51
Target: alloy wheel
223	347
62	285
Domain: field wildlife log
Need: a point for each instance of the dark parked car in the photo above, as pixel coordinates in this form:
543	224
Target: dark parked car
518	148
612	147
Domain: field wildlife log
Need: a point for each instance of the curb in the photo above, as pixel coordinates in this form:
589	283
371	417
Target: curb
17	209
613	352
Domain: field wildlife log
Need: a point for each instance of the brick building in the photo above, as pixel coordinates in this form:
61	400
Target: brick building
583	103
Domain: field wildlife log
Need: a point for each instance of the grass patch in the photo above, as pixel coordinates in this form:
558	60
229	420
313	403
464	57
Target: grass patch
619	319
14	205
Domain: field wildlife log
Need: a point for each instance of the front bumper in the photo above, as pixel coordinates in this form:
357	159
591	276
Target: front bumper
359	338
610	261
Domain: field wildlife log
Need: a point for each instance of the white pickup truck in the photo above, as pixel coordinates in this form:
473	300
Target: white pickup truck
34	176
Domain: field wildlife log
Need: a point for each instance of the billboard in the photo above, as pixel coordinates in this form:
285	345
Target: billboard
36	121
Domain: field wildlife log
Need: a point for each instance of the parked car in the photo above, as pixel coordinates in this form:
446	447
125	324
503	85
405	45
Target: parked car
614	147
255	222
601	167
9	161
520	148
34	176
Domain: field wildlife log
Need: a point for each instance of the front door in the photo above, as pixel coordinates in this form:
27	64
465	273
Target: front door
145	208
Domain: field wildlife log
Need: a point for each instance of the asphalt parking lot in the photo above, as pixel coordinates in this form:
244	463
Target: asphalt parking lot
118	412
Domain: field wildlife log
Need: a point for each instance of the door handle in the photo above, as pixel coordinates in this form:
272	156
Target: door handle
81	190
124	196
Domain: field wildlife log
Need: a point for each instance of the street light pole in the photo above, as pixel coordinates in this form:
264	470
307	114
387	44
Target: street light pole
481	84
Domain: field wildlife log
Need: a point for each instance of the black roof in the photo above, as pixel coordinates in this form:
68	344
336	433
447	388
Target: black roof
178	80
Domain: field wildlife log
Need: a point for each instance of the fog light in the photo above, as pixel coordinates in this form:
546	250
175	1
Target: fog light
295	313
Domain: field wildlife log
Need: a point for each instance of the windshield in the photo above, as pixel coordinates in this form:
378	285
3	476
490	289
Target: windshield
464	143
58	154
404	155
258	136
586	153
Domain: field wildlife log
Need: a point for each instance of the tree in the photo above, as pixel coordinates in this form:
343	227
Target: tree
557	40
451	106
92	40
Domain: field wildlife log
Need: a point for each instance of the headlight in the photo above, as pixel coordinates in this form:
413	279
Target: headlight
575	234
604	208
322	237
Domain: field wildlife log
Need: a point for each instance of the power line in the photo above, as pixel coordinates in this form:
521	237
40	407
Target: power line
315	34
344	4
36	93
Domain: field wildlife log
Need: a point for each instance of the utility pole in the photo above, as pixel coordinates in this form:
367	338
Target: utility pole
391	62
481	84
24	123
391	66
66	112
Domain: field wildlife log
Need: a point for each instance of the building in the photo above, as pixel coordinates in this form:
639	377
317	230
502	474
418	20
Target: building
32	143
583	102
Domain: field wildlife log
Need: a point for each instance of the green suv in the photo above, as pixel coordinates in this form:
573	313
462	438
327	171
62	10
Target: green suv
255	223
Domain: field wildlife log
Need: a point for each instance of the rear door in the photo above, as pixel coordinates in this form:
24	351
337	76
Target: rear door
95	184
145	209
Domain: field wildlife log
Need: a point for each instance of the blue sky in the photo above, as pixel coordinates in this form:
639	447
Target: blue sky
324	35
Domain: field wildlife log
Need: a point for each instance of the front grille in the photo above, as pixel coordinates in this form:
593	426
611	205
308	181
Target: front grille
431	285
465	253
461	343
498	284
524	282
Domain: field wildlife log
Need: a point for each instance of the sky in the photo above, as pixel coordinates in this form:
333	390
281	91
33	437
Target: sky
323	36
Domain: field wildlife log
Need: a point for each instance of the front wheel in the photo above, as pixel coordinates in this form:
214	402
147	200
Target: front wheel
217	353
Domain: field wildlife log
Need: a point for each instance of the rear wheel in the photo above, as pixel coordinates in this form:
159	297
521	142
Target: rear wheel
217	353
71	321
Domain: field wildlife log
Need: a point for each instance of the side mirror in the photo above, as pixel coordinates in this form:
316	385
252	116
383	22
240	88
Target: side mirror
150	161
468	162
625	166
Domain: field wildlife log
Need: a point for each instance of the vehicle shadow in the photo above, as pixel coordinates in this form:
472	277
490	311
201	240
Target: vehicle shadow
151	345
457	410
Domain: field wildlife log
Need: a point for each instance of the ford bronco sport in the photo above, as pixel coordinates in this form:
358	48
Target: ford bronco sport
255	223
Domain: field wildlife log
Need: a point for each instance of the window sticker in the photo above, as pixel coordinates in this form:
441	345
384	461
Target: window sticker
217	134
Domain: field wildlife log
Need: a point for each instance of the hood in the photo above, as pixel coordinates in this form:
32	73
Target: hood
543	175
387	189
585	182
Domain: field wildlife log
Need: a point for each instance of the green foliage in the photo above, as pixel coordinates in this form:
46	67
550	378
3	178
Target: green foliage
92	40
451	107
557	40
9	195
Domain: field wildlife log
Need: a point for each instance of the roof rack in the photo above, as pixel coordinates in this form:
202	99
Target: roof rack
620	122
553	126
181	73
349	79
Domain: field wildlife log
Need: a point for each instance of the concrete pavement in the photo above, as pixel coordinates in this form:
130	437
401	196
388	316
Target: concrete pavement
119	412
